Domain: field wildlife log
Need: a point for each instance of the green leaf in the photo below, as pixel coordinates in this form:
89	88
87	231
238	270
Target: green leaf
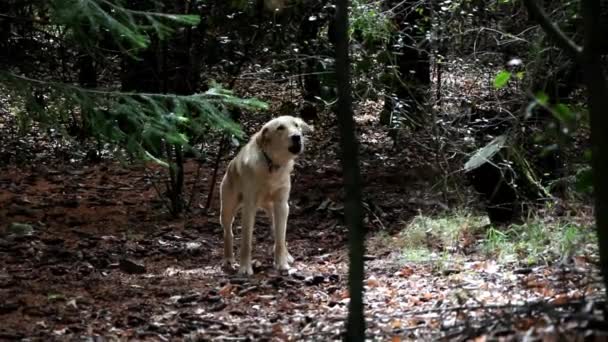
563	113
520	75
485	153
501	79
541	98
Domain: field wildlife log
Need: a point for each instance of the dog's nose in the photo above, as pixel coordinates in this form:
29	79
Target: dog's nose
296	138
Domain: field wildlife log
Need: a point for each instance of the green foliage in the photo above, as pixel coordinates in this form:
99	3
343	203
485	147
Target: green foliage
501	79
536	241
445	231
137	121
140	123
367	18
89	20
569	120
429	239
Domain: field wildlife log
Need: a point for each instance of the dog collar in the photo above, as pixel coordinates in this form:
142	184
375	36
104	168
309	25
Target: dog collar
271	165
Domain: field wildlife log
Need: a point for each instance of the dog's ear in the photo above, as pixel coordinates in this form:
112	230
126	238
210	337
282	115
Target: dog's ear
261	137
306	128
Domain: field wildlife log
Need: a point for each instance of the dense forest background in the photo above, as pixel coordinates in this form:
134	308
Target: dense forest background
117	119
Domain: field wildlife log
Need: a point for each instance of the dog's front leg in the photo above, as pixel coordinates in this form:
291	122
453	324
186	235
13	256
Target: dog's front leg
248	221
281	256
229	203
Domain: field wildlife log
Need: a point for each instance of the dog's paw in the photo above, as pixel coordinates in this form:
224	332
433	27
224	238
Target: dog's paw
245	270
281	264
290	258
228	266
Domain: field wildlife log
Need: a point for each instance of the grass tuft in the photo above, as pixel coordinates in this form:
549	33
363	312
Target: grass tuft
452	237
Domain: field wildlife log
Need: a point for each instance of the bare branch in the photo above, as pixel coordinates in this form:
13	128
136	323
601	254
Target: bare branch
553	30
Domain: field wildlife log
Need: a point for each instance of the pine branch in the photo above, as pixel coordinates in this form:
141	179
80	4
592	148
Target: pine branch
214	95
139	122
86	18
178	18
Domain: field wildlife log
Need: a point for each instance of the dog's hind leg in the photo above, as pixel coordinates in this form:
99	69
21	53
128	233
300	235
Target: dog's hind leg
269	211
229	205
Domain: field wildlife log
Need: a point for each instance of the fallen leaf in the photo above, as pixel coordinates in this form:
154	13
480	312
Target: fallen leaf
372	282
226	290
406	272
344	294
481	338
560	299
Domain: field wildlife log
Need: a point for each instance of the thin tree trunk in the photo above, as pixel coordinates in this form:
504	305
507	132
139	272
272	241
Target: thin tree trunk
352	178
597	103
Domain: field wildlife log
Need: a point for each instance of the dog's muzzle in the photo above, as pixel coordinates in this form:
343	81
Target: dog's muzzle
296	144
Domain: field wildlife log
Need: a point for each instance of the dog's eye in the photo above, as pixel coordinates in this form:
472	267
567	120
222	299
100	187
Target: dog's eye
280	128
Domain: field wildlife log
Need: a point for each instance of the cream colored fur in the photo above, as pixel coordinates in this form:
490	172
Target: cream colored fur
259	177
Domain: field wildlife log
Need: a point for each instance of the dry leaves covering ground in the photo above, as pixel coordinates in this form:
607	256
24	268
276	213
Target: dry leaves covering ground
99	259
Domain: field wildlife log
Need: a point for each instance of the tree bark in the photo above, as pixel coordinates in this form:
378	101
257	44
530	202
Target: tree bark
410	88
597	103
352	178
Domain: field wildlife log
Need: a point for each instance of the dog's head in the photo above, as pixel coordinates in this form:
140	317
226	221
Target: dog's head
282	138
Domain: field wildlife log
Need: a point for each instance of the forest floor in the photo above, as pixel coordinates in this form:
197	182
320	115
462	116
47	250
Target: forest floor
88	250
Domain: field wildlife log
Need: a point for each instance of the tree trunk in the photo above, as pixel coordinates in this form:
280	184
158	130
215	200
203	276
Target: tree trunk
410	89
352	178
597	103
87	78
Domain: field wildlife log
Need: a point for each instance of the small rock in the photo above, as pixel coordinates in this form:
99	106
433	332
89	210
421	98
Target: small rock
131	267
21	229
194	248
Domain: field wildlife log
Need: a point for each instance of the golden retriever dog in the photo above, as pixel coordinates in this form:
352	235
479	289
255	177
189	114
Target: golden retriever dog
259	177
